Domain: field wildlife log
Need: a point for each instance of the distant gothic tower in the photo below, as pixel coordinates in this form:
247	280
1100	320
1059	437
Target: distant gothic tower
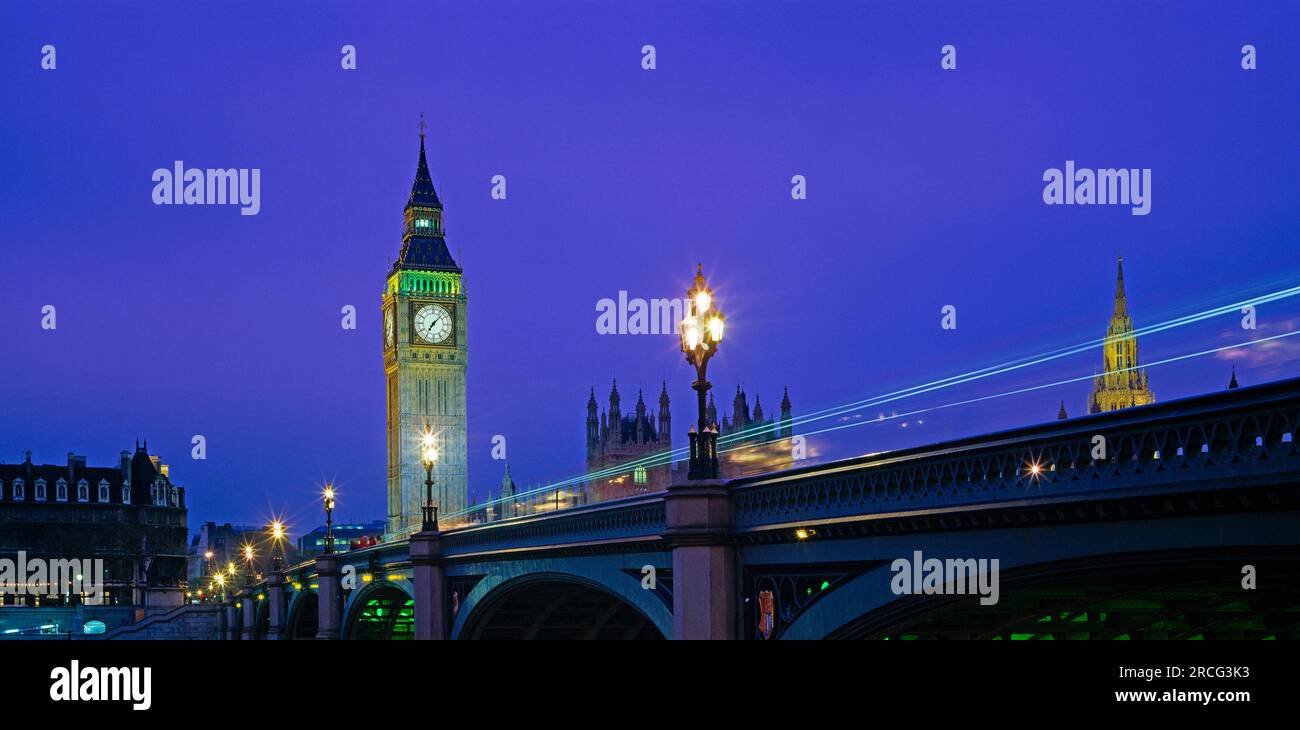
1122	383
614	439
424	346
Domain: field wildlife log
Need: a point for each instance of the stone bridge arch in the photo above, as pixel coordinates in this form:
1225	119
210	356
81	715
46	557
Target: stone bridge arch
261	618
1186	593
380	610
563	602
303	613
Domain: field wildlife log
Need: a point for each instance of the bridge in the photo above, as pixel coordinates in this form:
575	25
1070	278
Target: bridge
1189	527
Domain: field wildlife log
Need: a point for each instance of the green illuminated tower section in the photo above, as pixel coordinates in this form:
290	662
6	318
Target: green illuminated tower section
425	348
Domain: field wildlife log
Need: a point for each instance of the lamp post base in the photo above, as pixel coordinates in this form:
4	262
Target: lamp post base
704	456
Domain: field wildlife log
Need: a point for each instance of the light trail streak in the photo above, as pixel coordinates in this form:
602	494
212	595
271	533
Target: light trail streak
668	456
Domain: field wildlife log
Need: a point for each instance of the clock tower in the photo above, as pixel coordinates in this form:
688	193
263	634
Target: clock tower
424	346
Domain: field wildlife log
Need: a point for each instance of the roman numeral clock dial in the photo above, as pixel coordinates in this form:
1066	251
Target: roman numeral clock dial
433	324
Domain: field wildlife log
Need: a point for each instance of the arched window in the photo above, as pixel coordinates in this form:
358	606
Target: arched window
61	490
40	490
103	490
20	490
83	491
126	494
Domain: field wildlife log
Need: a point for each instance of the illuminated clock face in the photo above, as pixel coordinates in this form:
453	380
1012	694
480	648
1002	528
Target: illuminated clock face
433	324
390	328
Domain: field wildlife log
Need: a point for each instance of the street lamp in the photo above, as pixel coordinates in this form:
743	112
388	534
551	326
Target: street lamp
248	558
329	519
428	456
701	334
277	537
208	556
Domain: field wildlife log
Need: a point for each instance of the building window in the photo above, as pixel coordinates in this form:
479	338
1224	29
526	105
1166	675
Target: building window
61	490
103	490
126	494
20	491
40	490
83	491
639	475
421	222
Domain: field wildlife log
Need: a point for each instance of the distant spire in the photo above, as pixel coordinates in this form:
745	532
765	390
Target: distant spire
1061	416
1121	299
1233	383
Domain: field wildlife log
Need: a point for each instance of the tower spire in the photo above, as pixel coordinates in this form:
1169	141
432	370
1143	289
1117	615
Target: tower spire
424	245
1121	299
1123	383
422	193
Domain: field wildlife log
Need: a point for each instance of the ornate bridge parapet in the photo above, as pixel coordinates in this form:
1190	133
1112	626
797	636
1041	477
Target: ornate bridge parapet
1242	438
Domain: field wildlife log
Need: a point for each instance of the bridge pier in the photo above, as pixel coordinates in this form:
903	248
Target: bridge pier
276	607
428	581
704	561
248	597
328	597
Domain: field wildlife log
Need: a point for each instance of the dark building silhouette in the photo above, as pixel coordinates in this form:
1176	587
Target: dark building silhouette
131	516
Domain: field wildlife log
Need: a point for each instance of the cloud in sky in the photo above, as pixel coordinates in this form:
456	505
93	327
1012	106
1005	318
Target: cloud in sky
1265	353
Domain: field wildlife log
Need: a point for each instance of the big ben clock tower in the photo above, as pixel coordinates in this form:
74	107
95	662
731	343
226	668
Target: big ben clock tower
424	345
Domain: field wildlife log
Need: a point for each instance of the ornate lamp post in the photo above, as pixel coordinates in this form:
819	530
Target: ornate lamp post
277	552
248	559
702	325
329	519
428	456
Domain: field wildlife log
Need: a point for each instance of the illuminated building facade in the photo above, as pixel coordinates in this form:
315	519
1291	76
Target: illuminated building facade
1122	384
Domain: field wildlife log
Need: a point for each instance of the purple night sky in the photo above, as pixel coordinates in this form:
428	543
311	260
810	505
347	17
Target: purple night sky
924	189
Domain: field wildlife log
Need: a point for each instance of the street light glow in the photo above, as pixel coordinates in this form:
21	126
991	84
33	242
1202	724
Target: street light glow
715	328
702	302
428	448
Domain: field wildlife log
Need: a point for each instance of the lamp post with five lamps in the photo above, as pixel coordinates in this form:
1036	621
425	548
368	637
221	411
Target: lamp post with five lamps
701	335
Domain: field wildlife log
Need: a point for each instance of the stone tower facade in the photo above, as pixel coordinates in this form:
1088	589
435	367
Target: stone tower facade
424	342
1122	383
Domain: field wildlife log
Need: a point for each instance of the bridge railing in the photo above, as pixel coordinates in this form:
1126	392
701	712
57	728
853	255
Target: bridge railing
1247	434
629	518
